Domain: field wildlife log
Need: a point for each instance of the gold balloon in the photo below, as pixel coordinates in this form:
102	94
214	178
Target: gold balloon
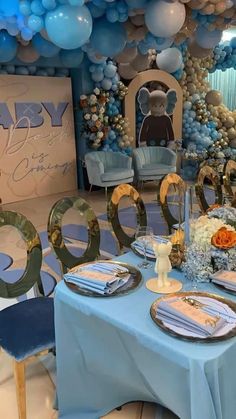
214	97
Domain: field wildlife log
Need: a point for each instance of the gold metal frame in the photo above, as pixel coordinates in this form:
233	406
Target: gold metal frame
119	192
31	275
211	339
209	173
57	212
166	182
230	167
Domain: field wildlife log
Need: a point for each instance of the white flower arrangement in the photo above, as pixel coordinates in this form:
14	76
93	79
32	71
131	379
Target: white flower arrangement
87	116
202	230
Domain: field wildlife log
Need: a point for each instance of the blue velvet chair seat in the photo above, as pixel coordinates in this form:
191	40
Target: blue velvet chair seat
27	328
107	168
152	163
117	174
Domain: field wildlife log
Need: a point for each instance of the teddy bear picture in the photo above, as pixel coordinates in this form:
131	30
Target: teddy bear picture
157	129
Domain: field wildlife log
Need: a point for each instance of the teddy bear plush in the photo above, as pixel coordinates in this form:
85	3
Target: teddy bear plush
156	129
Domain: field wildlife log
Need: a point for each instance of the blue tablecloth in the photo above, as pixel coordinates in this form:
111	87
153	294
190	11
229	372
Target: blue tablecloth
109	352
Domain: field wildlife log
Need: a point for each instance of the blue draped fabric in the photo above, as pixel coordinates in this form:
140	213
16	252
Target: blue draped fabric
225	82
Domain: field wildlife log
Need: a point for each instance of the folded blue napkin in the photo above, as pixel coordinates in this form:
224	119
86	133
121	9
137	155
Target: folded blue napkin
179	313
138	246
100	277
225	278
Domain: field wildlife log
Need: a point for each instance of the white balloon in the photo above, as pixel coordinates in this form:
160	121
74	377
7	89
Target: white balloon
169	60
164	19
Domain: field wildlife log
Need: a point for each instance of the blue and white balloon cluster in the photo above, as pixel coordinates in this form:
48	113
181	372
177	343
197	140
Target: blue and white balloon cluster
34	71
105	75
201	135
224	56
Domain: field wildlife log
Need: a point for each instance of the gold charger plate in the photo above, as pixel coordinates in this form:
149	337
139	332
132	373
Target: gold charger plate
133	282
223	288
171	332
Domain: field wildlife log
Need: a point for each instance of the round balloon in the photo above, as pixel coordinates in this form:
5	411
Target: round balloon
8	46
44	47
214	97
69	27
140	63
127	55
108	39
207	39
71	58
27	54
126	71
196	51
164	19
10	7
169	60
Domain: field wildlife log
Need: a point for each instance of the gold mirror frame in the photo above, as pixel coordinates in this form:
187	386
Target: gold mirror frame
113	216
31	275
57	212
166	182
230	167
209	173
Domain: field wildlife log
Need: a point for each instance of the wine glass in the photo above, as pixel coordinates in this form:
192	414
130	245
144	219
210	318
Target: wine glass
144	236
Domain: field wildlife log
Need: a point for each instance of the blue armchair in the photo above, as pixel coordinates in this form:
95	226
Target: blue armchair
152	163
108	168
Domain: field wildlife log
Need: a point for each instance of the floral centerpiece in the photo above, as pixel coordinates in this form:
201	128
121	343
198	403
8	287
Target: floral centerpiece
212	243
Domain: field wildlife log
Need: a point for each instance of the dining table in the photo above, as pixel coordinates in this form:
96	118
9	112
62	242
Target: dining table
110	352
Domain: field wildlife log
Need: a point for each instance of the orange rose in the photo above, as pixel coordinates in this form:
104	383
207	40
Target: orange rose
224	239
212	207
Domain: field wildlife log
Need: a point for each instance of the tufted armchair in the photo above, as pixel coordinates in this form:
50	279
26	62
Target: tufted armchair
108	168
152	163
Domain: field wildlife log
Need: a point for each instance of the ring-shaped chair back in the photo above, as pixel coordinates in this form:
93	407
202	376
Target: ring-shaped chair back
172	179
31	275
207	172
66	259
229	168
125	190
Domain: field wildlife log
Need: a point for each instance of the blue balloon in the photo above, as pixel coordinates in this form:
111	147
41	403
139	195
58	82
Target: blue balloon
9	7
110	70
26	34
41	72
37	8
25	7
44	47
8	46
96	11
32	69
71	58
136	4
35	23
97	76
112	15
49	4
108	39
50	71
22	71
10	69
69	27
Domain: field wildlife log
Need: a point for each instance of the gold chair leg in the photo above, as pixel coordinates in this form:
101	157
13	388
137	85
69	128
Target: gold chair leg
19	373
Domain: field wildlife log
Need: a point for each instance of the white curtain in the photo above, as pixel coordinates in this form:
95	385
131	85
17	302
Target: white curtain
225	82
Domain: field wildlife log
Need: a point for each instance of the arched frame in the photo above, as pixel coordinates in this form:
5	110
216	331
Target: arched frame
130	99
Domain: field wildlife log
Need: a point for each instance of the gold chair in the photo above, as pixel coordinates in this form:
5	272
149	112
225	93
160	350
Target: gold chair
230	167
207	172
119	192
172	179
27	327
66	259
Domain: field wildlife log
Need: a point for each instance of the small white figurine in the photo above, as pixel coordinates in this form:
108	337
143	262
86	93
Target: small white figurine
163	265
